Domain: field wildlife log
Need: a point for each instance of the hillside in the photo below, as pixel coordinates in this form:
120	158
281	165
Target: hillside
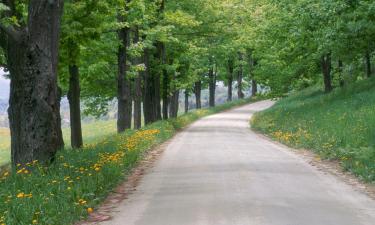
338	126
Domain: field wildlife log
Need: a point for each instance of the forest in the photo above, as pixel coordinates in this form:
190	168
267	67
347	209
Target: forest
148	54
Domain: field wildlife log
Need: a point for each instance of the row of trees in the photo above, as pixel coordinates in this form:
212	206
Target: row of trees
145	52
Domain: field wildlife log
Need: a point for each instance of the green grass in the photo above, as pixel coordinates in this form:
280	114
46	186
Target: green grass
80	179
91	133
337	126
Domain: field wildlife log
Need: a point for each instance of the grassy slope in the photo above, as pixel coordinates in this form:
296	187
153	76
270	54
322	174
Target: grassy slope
80	179
339	126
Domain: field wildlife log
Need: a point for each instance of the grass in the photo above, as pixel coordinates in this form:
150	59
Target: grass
91	133
79	180
338	126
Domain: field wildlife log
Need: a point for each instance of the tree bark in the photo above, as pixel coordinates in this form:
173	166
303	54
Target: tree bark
157	95
254	88
198	93
252	64
124	113
186	101
326	71
174	104
230	79
368	65
166	85
75	107
137	89
148	97
212	86
34	106
239	78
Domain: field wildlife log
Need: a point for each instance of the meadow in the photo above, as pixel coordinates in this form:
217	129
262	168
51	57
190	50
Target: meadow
92	132
337	126
79	180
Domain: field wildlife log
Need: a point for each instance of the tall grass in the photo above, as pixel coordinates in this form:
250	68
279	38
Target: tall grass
338	126
79	180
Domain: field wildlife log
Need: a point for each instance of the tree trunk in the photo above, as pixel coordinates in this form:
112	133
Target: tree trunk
341	78
368	65
254	88
75	107
198	93
165	96
239	78
230	79
124	113
186	101
174	104
252	64
166	87
34	106
137	89
212	87
148	97
326	70
157	97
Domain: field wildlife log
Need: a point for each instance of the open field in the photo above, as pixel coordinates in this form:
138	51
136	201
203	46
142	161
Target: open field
338	126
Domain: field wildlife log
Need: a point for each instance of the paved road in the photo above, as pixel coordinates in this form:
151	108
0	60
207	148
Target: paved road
219	172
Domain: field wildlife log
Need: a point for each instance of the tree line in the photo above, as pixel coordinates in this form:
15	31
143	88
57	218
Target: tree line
144	53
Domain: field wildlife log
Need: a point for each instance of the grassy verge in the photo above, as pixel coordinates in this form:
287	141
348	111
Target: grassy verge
79	180
338	126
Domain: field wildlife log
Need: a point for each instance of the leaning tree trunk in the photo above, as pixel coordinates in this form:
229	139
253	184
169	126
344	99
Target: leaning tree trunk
137	89
326	71
75	107
239	78
34	107
230	79
212	87
198	93
186	101
124	113
368	65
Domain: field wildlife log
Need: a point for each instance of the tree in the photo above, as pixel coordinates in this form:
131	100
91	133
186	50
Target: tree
30	44
82	22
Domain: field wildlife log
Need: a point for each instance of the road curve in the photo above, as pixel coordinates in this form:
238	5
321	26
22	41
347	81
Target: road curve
219	172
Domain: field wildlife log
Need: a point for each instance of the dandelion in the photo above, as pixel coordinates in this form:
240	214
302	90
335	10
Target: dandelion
21	195
82	202
35	221
90	210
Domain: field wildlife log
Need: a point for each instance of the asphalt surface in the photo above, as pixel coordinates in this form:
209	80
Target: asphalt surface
219	172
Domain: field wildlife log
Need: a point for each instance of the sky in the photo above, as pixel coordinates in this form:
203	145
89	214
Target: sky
4	86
